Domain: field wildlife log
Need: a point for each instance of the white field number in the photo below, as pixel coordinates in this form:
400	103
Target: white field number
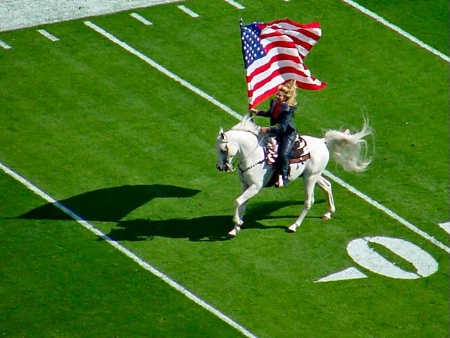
365	256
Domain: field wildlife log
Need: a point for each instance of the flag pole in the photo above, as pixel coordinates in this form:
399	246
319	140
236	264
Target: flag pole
242	44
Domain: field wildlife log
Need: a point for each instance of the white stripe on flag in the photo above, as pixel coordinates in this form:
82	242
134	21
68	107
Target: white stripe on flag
286	44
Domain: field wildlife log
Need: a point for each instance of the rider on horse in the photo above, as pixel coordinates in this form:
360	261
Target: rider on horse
281	114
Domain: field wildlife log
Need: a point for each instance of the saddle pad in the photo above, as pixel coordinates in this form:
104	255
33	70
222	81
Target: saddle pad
300	151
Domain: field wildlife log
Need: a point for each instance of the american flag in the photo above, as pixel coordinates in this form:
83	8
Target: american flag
274	53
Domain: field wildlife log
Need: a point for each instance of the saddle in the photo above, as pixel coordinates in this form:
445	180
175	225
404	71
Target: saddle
299	152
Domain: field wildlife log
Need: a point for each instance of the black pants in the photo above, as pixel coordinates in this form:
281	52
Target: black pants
286	143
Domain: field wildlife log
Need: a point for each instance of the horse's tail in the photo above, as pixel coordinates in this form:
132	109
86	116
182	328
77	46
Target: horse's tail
349	150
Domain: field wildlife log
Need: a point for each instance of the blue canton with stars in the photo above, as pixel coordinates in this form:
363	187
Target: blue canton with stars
252	49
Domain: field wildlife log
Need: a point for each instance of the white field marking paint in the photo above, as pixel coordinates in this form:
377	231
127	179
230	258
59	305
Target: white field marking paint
397	29
368	258
350	273
4	45
188	11
388	212
445	227
48	35
126	252
162	69
235	4
141	19
361	253
239	117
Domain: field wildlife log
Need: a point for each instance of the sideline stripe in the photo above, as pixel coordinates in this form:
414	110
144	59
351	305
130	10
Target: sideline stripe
162	69
125	251
397	29
233	113
48	35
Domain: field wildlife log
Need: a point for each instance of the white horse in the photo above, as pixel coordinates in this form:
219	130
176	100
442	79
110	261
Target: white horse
244	144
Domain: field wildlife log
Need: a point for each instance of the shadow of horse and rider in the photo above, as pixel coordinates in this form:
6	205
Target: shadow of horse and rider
114	203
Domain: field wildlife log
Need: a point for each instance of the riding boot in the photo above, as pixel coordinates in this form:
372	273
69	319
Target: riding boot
284	174
283	159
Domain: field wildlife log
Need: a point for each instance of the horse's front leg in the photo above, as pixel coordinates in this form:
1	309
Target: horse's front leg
239	207
309	184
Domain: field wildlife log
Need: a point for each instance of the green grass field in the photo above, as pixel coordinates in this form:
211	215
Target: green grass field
131	151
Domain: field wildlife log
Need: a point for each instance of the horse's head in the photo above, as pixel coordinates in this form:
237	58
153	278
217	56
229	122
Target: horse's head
226	151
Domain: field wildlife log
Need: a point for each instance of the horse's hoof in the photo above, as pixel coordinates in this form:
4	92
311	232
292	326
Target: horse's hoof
290	230
231	236
232	233
326	217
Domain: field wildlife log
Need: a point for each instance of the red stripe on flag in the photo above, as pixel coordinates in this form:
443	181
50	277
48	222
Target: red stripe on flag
286	44
283	73
268	63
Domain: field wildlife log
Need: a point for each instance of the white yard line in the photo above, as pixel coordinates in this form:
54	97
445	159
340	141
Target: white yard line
397	29
163	70
127	252
209	98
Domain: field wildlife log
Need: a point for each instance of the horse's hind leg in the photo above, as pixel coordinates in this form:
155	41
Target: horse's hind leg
309	184
325	185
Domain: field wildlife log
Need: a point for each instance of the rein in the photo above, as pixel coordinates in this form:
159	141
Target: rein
250	167
246	157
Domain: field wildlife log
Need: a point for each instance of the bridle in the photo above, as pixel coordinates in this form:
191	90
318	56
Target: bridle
229	163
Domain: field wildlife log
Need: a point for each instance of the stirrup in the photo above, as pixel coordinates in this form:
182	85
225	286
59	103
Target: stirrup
280	182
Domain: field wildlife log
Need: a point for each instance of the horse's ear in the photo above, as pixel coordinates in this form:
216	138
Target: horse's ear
222	134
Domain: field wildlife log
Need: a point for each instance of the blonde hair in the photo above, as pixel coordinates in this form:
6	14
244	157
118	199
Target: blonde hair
290	89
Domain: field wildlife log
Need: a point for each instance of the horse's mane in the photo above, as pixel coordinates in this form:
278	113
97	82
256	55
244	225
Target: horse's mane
247	124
